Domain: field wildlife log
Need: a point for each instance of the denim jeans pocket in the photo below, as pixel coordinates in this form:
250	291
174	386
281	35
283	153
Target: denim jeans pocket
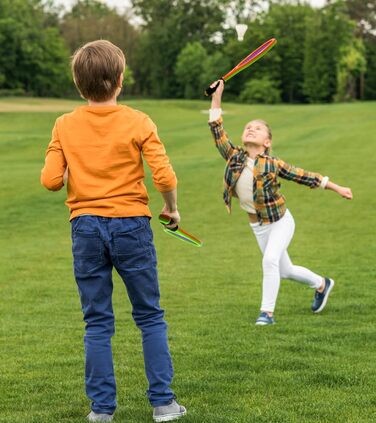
134	249
87	251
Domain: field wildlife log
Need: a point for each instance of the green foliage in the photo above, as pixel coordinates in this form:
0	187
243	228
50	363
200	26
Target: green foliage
217	65
364	13
92	20
32	57
287	23
128	77
370	76
351	66
316	66
15	92
315	60
328	31
190	68
128	83
263	91
169	27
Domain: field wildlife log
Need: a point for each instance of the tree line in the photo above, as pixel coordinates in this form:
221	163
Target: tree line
179	47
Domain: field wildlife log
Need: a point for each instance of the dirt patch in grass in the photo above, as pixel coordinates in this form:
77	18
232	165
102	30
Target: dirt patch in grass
37	105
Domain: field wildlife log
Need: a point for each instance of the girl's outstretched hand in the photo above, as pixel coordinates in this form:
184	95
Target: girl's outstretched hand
345	192
342	191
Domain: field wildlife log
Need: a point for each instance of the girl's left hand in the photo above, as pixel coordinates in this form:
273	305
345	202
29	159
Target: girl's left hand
345	192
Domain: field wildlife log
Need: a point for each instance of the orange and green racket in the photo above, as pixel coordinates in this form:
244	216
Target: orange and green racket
178	233
247	61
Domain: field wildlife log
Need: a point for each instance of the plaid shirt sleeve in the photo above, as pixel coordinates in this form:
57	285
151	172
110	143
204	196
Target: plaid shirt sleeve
222	142
298	175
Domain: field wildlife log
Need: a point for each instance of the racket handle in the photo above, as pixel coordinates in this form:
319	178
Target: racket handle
211	90
168	221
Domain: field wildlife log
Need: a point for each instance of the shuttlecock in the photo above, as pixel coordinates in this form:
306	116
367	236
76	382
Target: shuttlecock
240	30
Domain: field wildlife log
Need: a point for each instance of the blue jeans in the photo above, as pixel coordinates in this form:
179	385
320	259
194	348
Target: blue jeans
99	244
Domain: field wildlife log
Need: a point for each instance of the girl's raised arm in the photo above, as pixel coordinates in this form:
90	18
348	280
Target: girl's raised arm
222	142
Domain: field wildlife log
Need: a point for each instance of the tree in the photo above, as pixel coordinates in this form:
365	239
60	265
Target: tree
287	23
351	66
235	51
261	91
190	69
370	75
328	31
364	13
217	65
91	20
33	56
284	64
168	26
316	66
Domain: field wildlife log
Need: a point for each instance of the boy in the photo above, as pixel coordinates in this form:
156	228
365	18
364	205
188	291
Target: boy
102	145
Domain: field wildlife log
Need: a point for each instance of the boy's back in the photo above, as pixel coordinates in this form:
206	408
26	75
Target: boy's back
102	146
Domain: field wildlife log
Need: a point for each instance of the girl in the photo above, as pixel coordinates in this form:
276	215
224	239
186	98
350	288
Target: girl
251	175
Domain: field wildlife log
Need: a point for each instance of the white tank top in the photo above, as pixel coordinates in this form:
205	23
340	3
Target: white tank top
244	187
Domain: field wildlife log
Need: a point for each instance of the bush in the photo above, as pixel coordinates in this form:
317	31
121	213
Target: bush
190	69
262	91
14	92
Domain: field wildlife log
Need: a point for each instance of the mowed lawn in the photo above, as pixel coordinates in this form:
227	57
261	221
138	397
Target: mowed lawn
307	368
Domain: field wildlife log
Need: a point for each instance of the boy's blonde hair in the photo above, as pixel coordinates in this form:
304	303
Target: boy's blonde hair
96	68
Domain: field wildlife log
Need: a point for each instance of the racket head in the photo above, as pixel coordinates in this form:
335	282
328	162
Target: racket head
251	58
184	236
177	232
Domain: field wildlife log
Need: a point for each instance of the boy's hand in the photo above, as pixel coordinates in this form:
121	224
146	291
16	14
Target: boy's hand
217	95
345	192
174	215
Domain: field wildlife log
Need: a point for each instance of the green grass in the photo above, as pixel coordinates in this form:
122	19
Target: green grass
305	369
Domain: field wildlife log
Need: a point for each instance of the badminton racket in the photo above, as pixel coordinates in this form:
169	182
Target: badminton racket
178	233
245	63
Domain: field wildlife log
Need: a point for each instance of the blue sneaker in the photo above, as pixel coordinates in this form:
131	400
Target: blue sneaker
320	299
265	319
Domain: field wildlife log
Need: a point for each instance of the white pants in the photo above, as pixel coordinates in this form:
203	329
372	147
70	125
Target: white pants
273	240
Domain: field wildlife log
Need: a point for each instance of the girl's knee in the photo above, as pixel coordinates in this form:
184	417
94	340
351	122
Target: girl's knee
270	261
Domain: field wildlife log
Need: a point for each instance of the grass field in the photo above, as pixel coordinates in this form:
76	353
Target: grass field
306	369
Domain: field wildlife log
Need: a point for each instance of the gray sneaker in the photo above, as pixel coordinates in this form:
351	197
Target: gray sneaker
166	413
95	417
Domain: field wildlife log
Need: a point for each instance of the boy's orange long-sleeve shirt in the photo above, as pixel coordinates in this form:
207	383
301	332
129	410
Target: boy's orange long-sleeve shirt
103	146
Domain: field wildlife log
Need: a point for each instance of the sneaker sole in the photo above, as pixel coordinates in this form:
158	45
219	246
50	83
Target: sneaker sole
321	308
264	324
100	420
170	417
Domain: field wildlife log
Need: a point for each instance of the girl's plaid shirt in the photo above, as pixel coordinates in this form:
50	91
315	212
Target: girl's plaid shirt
268	200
